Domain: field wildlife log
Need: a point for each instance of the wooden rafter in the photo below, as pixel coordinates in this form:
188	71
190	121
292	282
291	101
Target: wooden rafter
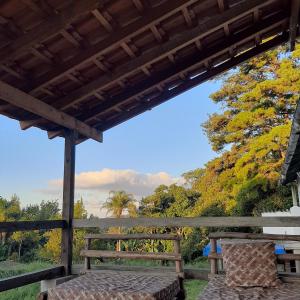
151	16
158	52
52	25
294	19
20	99
190	83
179	68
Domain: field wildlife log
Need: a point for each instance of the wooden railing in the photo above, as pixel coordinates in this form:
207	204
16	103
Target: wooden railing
103	223
36	276
31	225
189	222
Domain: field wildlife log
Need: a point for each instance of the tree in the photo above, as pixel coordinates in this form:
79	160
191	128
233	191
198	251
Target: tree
251	133
52	248
117	203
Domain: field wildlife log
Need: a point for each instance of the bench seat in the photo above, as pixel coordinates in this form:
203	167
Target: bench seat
118	285
217	290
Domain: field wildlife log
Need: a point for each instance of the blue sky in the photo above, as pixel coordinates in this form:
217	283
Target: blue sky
161	143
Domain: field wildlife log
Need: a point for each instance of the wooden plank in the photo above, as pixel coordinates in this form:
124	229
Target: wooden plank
285	257
27	102
189	273
192	82
68	200
158	52
256	236
294	19
189	222
130	255
132	236
177	250
24	279
188	63
213	261
31	225
150	17
52	25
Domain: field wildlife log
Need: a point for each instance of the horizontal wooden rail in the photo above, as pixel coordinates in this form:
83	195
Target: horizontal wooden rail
31	225
130	255
287	257
24	279
189	222
168	237
256	236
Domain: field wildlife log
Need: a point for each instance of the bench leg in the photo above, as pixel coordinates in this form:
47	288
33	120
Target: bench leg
181	294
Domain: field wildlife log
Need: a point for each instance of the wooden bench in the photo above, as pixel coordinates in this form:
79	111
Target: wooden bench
175	256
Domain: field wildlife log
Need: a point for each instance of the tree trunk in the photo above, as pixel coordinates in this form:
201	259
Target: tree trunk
19	252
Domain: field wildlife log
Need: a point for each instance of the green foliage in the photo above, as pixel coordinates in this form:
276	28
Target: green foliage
251	133
119	202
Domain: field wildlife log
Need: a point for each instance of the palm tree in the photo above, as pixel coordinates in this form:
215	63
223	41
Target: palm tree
117	203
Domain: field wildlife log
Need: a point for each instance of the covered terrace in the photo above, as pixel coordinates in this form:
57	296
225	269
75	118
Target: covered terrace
75	69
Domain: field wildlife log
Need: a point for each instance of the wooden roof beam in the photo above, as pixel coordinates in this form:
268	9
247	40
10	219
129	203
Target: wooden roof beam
52	25
150	17
158	78
168	94
156	53
27	102
139	5
102	20
294	20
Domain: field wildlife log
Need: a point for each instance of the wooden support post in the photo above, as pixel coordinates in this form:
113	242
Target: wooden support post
298	187
178	263
294	194
68	200
87	260
213	261
179	270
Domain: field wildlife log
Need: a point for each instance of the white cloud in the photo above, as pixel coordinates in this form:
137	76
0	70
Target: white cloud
94	186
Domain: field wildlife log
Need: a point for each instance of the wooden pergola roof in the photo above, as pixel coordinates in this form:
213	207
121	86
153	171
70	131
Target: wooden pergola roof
89	65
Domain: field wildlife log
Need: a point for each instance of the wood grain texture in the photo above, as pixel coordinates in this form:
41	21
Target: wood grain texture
189	222
130	255
31	104
138	236
31	225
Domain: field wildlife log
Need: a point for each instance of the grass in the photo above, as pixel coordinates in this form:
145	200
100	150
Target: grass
193	288
29	292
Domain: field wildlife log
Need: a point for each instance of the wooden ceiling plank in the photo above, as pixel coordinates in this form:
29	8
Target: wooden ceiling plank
27	102
156	33
41	56
11	71
161	77
139	5
187	17
128	50
27	123
34	6
194	82
70	38
154	54
52	25
151	16
221	5
294	20
102	20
